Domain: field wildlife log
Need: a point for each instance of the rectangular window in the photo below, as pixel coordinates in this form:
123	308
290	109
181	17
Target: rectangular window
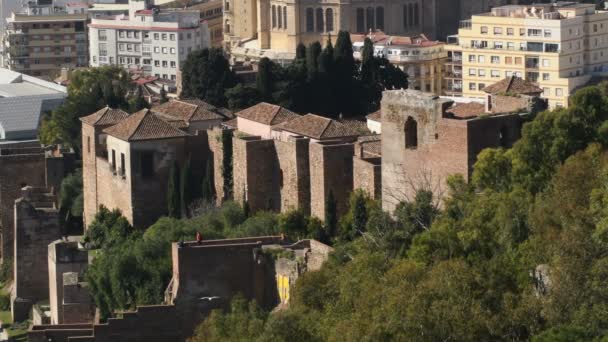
472	72
547	33
156	49
510	46
498	30
481	72
164	35
164	64
122	164
545	76
472	86
495	60
522	32
484	30
559	92
495	73
481	86
534	32
172	51
498	45
510	31
156	63
88	144
113	165
165	50
156	35
546	91
172	36
518	60
481	59
173	64
508	60
472	58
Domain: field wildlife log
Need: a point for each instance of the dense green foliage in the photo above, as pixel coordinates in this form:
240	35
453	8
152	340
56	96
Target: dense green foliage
89	91
518	254
71	202
206	74
326	81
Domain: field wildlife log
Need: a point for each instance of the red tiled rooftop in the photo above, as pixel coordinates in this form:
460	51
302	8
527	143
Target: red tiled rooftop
467	110
319	127
267	114
144	125
513	85
105	117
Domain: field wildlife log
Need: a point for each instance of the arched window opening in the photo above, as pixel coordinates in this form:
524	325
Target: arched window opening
319	19
410	14
227	27
416	15
369	17
405	22
411	133
310	20
274	16
360	20
284	17
380	18
503	137
329	20
280	17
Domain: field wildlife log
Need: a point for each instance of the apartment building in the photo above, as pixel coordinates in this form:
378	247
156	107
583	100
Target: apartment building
43	37
557	46
421	58
152	41
212	13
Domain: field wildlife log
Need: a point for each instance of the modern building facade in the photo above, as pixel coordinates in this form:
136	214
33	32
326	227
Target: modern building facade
421	58
557	46
43	38
153	41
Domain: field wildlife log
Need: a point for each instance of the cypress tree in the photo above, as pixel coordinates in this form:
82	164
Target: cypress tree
264	79
331	214
344	75
186	190
367	62
207	189
312	60
173	197
359	214
301	52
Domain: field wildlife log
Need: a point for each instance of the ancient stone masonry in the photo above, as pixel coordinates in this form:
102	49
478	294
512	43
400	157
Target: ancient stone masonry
36	226
69	297
23	164
422	143
206	276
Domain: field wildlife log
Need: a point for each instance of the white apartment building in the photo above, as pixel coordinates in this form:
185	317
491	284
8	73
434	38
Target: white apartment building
153	41
558	46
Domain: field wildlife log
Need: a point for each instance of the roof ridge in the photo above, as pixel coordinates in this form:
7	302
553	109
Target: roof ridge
329	121
147	111
105	111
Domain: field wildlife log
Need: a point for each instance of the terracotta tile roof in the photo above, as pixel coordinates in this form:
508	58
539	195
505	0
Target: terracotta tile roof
105	117
467	110
231	123
375	116
267	114
371	145
143	125
187	110
513	85
380	38
319	127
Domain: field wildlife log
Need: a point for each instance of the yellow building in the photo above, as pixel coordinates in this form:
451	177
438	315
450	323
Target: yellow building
558	46
273	28
211	12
